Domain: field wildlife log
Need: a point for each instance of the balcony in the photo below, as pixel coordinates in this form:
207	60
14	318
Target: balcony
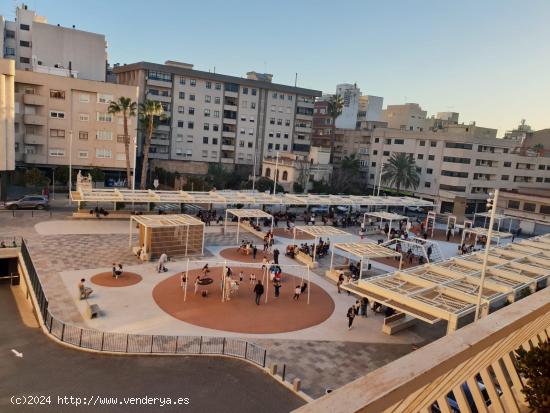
302	129
231	94
159	83
227	160
35	158
35	100
163	128
160	98
32	139
34	120
230	121
232	108
164	142
227	134
480	351
228	147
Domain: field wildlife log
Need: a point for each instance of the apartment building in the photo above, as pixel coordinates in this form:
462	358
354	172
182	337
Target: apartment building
59	120
214	118
7	114
41	47
530	206
460	164
409	116
322	124
350	94
370	108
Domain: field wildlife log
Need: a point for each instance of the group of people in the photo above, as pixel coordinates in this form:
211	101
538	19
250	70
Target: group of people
4	245
117	270
98	212
268	241
360	308
247	248
321	249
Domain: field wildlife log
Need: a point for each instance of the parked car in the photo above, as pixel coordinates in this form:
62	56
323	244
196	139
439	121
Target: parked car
320	210
415	209
29	202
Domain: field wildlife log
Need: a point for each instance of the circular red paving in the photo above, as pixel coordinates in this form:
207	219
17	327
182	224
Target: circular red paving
106	279
241	314
234	255
282	232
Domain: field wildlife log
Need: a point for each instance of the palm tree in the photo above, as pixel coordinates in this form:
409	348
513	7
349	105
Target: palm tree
400	171
346	177
150	112
125	106
335	107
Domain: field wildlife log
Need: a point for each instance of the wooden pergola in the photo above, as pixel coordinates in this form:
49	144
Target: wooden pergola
365	251
448	290
484	232
499	218
317	231
174	235
246	213
385	216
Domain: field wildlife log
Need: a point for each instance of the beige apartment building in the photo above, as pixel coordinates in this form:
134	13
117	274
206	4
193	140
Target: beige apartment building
7	113
409	116
530	206
61	120
215	118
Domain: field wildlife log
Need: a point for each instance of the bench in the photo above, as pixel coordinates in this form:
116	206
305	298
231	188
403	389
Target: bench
397	322
92	311
305	259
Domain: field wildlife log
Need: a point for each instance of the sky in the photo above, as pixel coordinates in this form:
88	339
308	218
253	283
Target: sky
489	60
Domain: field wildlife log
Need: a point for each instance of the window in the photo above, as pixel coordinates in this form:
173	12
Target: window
281	96
181	109
289	97
103	135
10	34
267	172
83	135
376	140
529	207
182	95
455	174
10	51
180	124
120	139
278	134
83	117
103	153
205	139
57	133
191	97
420	156
216	113
24	60
287	122
207	113
218	86
251	131
208	98
373	164
57	152
252	104
217	100
274	95
253	92
243	118
387	141
375	152
84	98
206	126
399	141
24	43
280	109
24	27
190	125
57	94
427	184
505	177
182	80
191	111
272	121
243	131
104	117
458	145
205	154
431	157
241	144
277	146
270	134
214	154
429	171
513	204
214	141
507	164
245	91
193	82
189	138
251	119
452	188
386	153
542	167
57	114
453	159
539	179
433	144
250	145
209	85
545	209
83	154
285	135
104	98
279	121
269	146
285	147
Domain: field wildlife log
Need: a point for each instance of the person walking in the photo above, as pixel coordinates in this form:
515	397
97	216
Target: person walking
364	306
254	252
277	287
351	316
276	253
258	290
297	292
340	282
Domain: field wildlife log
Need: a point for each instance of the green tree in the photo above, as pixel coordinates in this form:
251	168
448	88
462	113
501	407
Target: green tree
335	107
62	174
346	177
127	107
297	188
217	176
263	184
97	175
150	113
35	177
400	171
534	366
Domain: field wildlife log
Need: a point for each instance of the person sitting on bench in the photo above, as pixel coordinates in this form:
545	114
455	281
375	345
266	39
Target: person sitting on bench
85	292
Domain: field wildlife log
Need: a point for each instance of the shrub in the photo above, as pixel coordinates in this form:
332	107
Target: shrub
534	366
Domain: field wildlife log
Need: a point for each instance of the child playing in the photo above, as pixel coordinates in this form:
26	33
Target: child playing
252	278
297	292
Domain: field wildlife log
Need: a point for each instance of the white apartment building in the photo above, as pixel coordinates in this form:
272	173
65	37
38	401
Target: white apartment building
409	116
370	108
350	96
41	47
218	118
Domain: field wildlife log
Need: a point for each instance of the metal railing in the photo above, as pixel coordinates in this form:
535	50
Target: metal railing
137	343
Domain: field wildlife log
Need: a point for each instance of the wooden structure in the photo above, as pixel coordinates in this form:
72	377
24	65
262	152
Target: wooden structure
174	235
499	218
478	232
250	214
316	231
364	251
385	216
448	290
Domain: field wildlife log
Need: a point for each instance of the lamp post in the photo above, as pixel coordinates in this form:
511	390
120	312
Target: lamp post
492	207
135	162
380	179
70	164
276	173
254	170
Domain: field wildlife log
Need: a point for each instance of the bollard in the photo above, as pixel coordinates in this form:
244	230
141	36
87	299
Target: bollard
273	369
296	384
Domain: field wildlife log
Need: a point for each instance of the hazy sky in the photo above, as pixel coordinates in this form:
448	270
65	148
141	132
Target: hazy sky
487	59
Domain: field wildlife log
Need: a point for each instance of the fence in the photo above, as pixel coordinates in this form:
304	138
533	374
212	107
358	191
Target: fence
137	343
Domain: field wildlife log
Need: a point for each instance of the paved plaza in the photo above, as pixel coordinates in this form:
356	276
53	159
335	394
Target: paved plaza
324	354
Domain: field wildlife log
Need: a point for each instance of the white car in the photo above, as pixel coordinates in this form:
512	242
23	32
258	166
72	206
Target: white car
414	209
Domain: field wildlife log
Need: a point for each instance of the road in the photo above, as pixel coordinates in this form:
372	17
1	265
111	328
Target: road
49	369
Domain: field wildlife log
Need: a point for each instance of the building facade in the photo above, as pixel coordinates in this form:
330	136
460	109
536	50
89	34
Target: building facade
350	96
7	115
41	47
530	206
370	108
322	125
409	116
61	120
216	118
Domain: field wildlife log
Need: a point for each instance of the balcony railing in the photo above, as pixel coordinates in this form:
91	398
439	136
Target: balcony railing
470	370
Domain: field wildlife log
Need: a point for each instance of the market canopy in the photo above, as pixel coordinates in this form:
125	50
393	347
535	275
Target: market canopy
367	250
388	216
248	213
239	197
484	232
320	230
448	290
157	221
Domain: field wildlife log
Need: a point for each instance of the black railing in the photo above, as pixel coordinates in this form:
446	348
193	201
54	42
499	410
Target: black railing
137	343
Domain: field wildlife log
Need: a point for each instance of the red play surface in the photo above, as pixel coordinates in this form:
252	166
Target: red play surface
106	279
241	314
233	255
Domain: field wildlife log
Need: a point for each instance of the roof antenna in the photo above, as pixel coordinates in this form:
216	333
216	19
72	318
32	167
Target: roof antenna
296	79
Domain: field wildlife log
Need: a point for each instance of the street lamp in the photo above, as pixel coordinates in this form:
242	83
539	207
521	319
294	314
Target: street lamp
491	207
276	174
70	164
380	179
135	163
